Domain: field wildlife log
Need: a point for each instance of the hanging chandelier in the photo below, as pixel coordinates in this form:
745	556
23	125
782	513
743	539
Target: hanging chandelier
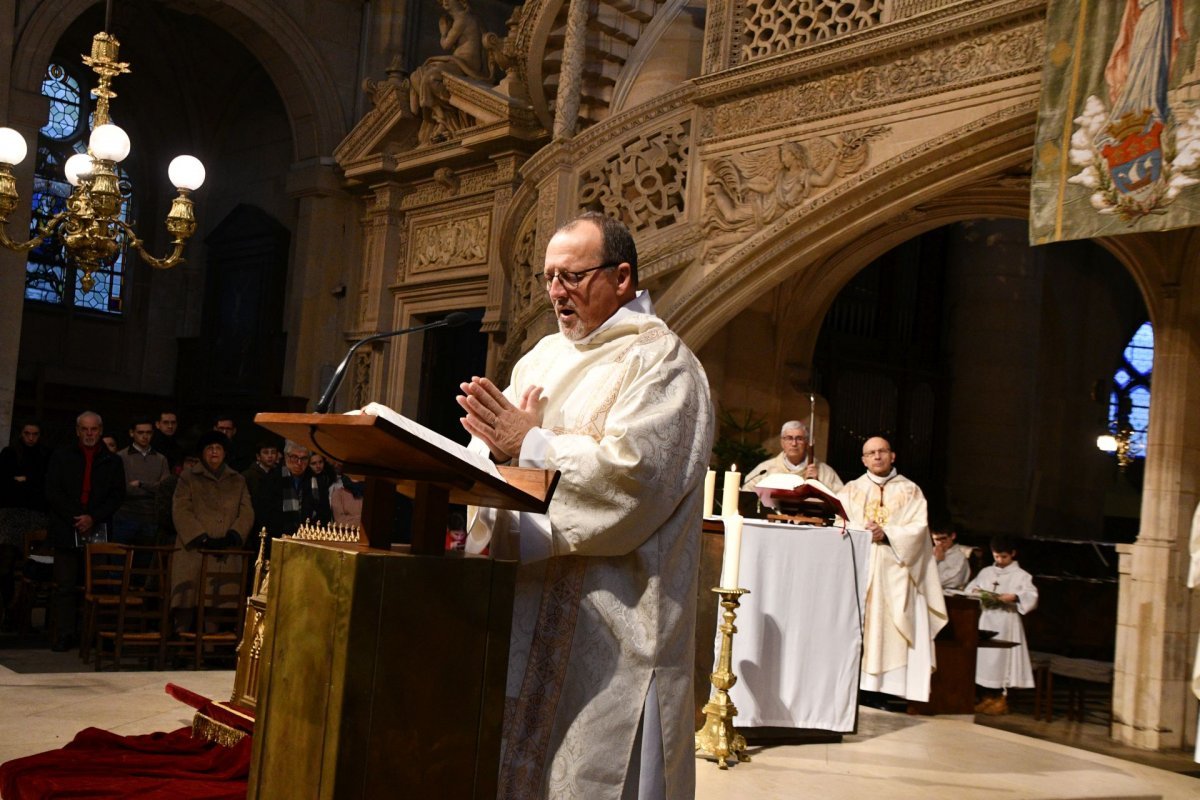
90	226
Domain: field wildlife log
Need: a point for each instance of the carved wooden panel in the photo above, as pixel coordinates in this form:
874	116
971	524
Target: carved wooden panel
642	182
778	26
458	242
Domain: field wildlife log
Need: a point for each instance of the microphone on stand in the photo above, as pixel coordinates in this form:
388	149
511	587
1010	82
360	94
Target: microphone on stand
452	320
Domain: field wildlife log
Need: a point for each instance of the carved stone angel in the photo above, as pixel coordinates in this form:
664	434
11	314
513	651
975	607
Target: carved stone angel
462	39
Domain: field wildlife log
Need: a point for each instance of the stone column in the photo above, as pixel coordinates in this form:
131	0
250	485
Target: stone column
26	112
324	247
383	256
1153	706
570	77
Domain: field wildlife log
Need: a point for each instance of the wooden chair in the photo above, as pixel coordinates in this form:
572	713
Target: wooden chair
220	604
143	609
35	584
104	574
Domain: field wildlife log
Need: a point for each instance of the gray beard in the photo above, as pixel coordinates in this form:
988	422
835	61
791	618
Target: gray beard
575	332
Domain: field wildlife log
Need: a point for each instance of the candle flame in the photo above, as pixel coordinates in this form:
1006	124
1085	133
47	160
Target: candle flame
733	468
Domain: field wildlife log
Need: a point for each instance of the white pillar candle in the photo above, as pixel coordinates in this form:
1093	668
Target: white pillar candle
732	559
710	490
729	493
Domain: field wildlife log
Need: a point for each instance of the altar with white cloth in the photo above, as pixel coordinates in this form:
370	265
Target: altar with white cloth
798	644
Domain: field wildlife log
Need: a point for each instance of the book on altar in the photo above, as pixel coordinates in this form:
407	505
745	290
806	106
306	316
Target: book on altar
478	460
795	494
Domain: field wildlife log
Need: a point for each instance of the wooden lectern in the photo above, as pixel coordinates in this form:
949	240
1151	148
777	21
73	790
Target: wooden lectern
383	667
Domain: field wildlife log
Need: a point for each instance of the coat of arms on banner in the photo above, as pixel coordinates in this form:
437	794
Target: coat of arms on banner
1133	149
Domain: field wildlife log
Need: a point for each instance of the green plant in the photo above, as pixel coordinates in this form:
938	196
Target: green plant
738	436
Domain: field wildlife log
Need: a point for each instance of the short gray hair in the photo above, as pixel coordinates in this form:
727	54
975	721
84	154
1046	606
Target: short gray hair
291	447
79	420
794	423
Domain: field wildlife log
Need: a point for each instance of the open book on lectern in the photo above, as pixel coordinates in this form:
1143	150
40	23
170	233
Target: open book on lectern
795	494
378	442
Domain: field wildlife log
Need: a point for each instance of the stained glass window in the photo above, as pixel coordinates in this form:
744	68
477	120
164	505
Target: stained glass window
50	276
1129	401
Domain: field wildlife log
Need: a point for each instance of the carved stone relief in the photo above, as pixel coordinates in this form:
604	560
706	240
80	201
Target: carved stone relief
450	243
449	184
643	182
987	57
746	192
360	394
775	26
462	38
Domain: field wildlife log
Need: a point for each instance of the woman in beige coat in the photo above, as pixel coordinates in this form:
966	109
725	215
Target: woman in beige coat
211	511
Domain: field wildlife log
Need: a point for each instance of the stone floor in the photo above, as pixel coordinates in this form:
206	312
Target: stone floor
893	756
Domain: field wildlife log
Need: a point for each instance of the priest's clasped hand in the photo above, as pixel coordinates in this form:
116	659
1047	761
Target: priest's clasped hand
494	419
878	534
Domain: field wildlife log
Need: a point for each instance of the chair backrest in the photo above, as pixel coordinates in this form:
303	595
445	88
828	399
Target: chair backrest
143	611
37	542
221	593
105	569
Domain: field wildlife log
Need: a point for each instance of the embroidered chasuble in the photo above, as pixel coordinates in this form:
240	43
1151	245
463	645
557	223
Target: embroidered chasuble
607	584
904	608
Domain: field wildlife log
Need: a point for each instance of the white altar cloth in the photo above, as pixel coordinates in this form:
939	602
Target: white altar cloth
798	644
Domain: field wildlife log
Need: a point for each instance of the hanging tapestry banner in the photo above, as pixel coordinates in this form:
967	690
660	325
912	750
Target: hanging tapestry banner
1118	139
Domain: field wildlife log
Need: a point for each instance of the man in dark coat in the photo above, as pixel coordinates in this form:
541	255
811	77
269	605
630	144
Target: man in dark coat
85	485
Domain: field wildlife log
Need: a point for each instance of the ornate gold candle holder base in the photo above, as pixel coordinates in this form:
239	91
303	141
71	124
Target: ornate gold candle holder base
718	740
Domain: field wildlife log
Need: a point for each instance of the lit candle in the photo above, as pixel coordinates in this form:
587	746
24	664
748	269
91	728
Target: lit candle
733	551
710	490
729	494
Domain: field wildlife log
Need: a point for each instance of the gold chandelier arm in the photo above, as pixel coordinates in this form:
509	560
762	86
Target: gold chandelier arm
45	231
175	257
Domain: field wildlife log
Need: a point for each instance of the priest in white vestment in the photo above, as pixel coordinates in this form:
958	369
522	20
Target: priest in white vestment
794	459
599	697
904	607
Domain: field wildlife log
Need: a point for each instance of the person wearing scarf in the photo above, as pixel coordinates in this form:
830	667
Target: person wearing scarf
85	485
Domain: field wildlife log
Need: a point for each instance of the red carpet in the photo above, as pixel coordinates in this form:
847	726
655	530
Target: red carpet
155	766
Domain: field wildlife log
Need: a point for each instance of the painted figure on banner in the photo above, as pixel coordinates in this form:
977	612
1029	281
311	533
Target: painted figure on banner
1124	145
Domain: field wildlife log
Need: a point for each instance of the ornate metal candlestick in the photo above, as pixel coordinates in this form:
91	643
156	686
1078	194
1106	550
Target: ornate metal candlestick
718	739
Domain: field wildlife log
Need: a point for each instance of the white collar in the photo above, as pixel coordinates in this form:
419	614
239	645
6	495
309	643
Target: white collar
881	480
640	304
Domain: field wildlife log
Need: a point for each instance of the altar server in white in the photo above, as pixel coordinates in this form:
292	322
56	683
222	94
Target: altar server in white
904	607
600	670
1006	593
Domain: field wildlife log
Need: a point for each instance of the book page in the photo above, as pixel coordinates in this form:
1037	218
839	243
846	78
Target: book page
480	461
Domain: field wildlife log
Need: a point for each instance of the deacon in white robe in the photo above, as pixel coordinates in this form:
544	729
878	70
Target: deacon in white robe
599	697
904	607
793	460
1011	595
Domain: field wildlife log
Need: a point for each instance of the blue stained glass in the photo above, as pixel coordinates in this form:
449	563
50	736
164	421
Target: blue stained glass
51	276
1132	389
1140	352
63	91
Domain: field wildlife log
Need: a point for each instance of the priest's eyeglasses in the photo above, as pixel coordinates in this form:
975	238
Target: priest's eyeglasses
571	280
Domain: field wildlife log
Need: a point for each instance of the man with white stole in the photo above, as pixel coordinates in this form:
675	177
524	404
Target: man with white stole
904	608
599	695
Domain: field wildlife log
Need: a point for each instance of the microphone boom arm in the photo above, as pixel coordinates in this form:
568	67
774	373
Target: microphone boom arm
451	320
